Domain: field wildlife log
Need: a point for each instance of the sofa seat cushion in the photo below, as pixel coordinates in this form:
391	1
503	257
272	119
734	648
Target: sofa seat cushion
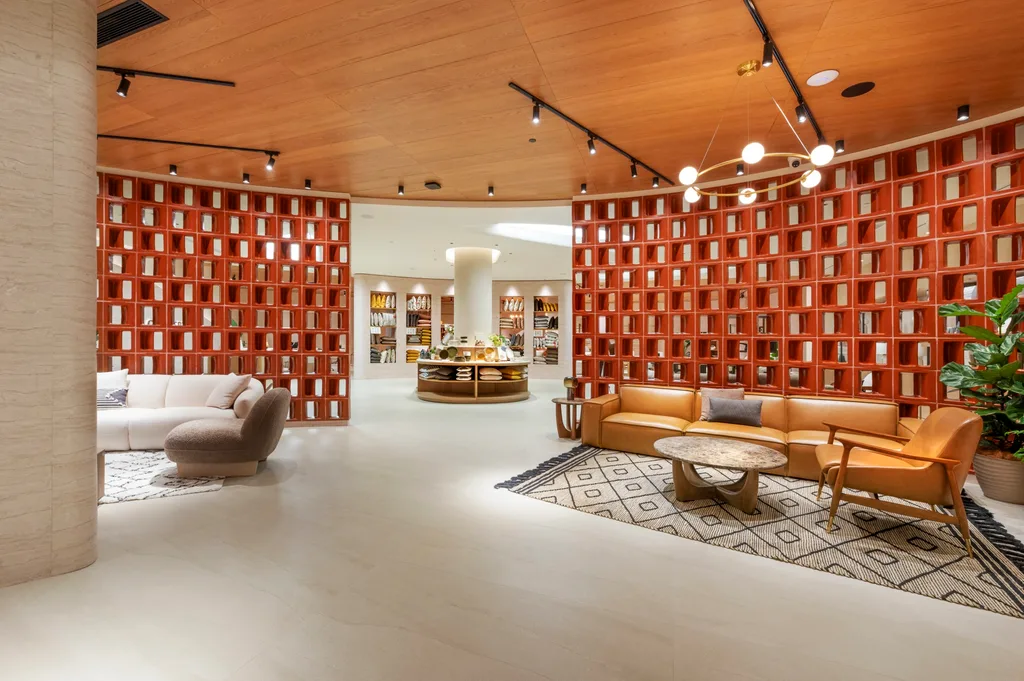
206	441
148	428
748	433
112	428
820	437
668	423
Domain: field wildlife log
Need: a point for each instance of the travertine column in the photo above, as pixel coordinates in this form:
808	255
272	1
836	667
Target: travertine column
47	287
473	292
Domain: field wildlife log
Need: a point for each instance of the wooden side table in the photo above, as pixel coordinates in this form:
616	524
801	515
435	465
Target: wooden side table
572	409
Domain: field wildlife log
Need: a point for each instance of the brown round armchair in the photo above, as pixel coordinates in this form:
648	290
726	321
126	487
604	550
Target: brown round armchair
216	447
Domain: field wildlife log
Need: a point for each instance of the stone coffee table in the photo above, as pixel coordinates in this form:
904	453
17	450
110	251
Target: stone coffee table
732	455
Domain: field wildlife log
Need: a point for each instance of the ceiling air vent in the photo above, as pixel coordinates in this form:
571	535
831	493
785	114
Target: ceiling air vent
432	184
126	19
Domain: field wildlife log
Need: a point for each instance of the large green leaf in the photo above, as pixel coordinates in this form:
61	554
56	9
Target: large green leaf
994	374
1009	303
1015	411
958	376
985	354
958	310
981	333
1010	341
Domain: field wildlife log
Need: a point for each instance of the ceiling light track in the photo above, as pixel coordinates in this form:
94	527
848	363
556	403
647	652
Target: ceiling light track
178	143
136	73
592	136
767	36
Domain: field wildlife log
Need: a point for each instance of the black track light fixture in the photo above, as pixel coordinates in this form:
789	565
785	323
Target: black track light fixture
583	188
591	146
963	112
401	190
173	170
840	146
768	55
490	190
801	113
740	170
271	161
536	113
632	169
309	184
655	181
122	87
245	178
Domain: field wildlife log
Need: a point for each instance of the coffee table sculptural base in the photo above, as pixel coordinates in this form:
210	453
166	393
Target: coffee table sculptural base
689	451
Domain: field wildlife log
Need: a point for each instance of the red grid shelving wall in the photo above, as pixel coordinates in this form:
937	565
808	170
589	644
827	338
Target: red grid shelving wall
194	279
830	291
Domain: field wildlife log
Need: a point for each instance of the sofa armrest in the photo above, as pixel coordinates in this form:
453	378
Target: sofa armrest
594	412
249	397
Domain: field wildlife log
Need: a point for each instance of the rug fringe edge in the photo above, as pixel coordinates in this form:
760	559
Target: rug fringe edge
543	467
994	531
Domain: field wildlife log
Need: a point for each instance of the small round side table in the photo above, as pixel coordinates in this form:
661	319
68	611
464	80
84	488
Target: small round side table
573	410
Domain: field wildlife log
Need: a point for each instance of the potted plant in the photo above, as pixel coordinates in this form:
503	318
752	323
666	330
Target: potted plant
993	385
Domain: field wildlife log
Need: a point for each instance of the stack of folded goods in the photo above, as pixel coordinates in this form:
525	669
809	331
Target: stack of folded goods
374	356
490	374
425	336
428	372
445	373
464	374
513	373
418	303
412	356
551	356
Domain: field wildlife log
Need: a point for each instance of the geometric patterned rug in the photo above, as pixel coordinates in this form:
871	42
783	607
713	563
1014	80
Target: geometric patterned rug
917	556
132	476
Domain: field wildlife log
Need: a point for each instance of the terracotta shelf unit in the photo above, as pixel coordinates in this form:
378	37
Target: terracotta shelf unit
830	291
195	279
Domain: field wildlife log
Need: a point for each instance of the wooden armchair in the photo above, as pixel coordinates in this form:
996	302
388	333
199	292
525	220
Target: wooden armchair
930	467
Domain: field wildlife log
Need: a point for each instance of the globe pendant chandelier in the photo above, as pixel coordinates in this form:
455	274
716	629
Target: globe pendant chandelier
753	153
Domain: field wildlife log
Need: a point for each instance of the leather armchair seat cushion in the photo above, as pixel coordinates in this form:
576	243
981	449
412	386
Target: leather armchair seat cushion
870	471
803	461
208	440
632	432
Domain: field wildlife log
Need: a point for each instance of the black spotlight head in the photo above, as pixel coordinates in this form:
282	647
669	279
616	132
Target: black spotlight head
401	190
490	191
768	55
583	188
632	169
270	162
963	112
536	114
840	146
740	170
245	178
655	181
173	169
590	145
309	184
122	87
801	114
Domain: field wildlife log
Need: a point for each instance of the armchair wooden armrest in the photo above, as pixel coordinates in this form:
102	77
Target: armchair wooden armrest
851	441
833	427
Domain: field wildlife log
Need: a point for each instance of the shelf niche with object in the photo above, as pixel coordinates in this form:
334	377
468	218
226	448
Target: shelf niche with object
383	327
512	322
418	320
545	330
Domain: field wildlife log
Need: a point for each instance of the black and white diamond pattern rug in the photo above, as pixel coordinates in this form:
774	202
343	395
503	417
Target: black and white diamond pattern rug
788	525
133	476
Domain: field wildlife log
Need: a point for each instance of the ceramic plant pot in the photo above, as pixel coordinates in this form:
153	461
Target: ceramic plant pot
1000	479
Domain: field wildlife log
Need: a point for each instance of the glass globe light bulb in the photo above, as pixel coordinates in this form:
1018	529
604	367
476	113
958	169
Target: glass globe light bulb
811	179
688	176
822	155
747	196
752	153
691	195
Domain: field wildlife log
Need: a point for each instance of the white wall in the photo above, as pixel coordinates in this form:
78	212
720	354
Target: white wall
363	284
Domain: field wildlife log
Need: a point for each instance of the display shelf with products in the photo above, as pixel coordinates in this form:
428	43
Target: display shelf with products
828	291
418	334
198	279
512	322
383	327
545	330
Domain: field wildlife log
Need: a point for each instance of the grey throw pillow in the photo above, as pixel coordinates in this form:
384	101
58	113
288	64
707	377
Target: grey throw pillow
738	412
723	393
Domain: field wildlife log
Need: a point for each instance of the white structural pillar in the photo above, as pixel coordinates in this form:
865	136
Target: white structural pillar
47	288
474	296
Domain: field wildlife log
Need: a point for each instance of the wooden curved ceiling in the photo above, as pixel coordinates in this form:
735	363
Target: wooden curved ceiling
363	94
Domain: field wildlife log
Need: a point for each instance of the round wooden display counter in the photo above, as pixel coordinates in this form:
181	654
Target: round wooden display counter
475	390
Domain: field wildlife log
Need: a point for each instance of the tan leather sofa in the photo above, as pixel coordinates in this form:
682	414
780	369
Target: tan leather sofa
639	415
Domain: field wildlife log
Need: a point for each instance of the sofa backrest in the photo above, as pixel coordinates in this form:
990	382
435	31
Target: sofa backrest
649	399
809	413
265	422
157	391
773	409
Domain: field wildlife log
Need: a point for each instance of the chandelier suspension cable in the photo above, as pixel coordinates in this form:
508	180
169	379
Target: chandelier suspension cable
786	118
721	116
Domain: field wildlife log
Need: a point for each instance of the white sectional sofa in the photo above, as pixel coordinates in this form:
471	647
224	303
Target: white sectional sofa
157	403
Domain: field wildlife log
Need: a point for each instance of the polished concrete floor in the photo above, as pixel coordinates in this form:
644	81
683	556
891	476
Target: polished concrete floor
381	551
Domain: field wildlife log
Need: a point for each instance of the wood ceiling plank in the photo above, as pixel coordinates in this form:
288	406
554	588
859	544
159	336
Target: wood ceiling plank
546	19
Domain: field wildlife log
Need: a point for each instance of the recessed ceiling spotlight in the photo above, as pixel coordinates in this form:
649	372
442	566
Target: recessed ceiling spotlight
245	178
963	112
822	77
173	169
583	188
533	140
858	89
309	184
